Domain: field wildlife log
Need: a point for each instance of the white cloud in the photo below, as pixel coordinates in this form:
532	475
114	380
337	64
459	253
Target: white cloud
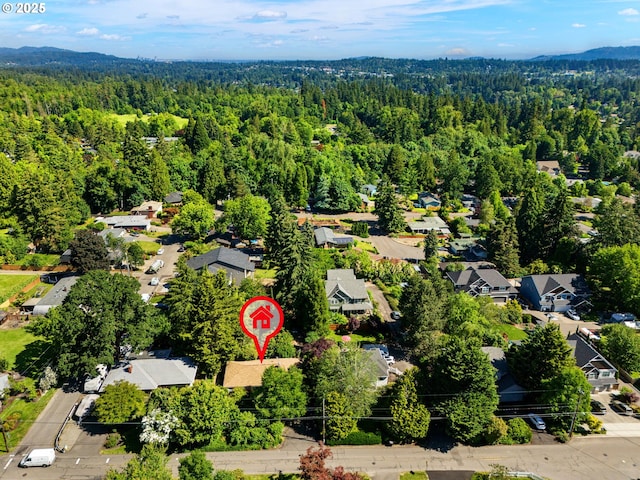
113	37
506	45
628	12
89	31
578	25
270	15
44	28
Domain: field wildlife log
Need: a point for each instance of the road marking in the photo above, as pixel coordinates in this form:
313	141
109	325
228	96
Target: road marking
8	463
107	460
77	461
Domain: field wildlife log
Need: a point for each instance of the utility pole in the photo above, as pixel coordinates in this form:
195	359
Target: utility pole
324	424
575	413
4	436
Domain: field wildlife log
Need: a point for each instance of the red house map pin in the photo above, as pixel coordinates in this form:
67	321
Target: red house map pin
261	318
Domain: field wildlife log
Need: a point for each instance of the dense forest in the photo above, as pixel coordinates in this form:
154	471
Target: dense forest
68	148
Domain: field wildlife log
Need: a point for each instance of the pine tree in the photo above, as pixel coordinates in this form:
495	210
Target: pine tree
502	246
529	225
430	245
389	214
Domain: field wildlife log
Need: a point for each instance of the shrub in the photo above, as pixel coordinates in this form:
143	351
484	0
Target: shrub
4	364
561	436
27	387
358	438
594	424
113	440
496	431
12	421
48	379
518	431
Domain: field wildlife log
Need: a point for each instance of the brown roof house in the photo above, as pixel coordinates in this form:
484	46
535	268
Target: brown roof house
249	373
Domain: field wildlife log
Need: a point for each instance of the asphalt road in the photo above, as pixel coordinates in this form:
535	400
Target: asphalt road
597	458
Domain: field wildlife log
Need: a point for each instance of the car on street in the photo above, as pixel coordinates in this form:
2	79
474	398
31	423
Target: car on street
181	248
395	315
160	251
621	408
598	407
154	281
551	317
536	421
572	314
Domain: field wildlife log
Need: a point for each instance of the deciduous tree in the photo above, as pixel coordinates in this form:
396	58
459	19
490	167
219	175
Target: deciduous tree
88	328
410	418
89	252
120	403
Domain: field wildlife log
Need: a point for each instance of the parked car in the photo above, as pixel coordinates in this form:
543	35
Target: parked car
551	317
181	248
395	315
572	314
160	251
537	422
598	407
154	281
621	408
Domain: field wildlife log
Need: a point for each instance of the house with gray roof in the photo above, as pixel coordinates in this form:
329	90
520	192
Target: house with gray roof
600	373
346	293
149	373
483	282
380	366
55	296
235	263
557	292
508	389
326	238
429	201
427	224
127	222
173	198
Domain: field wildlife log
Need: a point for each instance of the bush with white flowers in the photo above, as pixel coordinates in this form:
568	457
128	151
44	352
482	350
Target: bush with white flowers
157	426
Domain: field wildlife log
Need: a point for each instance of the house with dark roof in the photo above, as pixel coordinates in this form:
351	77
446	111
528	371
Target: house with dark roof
346	293
483	282
428	200
173	198
600	373
235	263
380	367
508	389
557	292
326	238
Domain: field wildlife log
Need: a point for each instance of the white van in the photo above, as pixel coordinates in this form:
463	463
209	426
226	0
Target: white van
38	457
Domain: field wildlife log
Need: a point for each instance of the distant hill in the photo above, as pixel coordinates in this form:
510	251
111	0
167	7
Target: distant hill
40	56
603	53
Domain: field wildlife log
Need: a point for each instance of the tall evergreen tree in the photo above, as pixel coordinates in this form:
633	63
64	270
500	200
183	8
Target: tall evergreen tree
529	225
502	246
389	214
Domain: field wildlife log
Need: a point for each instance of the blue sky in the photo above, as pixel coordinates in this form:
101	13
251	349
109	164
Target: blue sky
324	29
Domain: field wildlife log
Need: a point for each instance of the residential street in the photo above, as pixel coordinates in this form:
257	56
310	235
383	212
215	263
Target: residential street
594	458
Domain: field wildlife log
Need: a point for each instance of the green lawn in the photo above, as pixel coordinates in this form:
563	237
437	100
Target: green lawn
261	273
124	119
366	246
414	476
150	248
40	259
513	332
25	352
28	412
12	284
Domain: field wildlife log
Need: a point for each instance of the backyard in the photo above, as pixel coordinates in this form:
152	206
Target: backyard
12	284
